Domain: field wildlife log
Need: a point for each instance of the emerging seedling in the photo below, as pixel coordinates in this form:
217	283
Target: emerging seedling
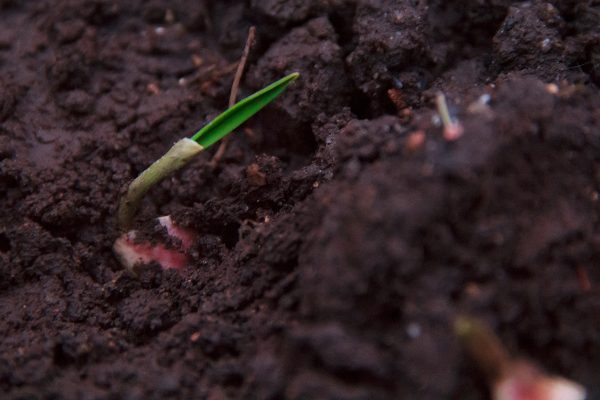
509	378
186	149
452	129
132	251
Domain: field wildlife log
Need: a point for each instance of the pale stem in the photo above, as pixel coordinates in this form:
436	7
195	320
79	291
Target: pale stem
452	129
442	107
177	156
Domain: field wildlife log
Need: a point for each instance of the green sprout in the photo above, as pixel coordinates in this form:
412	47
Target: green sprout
186	149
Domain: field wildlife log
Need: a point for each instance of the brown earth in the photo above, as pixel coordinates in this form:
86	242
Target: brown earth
340	235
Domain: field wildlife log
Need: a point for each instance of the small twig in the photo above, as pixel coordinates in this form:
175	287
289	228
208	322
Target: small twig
234	90
240	70
209	73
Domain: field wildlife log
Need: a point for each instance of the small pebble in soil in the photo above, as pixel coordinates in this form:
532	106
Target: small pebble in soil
415	140
481	105
546	45
552	88
413	330
255	176
153	88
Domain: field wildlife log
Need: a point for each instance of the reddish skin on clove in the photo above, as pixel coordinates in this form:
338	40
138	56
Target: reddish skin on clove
509	378
526	382
185	236
131	253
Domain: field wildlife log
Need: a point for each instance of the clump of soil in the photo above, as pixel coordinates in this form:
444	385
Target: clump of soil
339	236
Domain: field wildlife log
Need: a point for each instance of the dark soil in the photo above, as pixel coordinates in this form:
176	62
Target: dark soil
336	247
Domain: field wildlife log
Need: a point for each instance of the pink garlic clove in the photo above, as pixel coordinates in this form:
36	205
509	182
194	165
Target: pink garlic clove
131	253
525	382
186	236
510	378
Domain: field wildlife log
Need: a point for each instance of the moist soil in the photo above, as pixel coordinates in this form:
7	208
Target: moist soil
341	233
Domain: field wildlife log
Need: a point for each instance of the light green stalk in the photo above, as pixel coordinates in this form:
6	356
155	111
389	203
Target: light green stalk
177	156
185	149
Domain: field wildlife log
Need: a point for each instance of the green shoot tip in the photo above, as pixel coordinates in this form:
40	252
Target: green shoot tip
240	112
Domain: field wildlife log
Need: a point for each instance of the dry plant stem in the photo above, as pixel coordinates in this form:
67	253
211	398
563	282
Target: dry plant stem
234	90
242	64
483	346
131	253
177	156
